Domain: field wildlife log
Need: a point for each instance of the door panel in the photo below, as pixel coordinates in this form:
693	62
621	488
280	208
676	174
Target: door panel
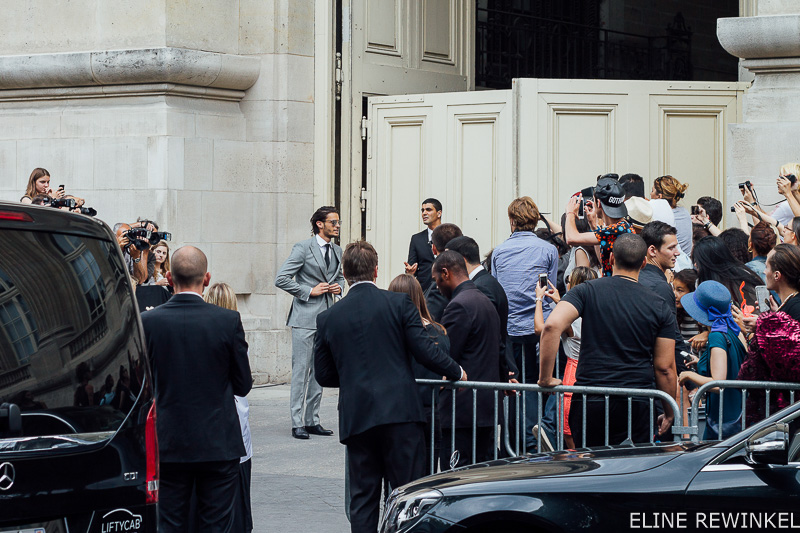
454	147
475	152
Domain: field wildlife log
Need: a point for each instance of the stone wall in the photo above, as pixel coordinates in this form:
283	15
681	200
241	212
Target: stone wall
198	115
765	139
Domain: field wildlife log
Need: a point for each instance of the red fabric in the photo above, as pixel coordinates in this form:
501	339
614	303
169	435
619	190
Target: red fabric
569	379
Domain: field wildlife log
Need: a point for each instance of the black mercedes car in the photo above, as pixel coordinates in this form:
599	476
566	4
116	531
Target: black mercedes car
78	450
748	482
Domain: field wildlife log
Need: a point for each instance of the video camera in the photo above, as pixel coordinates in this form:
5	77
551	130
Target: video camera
143	238
71	204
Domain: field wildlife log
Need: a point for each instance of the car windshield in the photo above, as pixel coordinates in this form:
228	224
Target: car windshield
69	342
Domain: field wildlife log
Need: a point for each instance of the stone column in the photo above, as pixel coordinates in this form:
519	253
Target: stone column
767	137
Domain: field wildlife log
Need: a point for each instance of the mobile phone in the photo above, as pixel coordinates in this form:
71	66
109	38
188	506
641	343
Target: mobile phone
762	297
543	281
695	209
581	208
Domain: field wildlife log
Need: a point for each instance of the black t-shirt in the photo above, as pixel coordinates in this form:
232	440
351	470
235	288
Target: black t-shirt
792	307
621	321
654	279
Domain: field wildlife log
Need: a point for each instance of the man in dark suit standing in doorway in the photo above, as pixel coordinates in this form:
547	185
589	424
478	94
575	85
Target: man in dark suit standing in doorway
473	328
199	361
364	346
420	256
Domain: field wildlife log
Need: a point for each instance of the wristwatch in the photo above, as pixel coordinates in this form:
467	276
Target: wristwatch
707	224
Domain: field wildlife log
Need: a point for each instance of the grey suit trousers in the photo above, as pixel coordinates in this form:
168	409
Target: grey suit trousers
306	393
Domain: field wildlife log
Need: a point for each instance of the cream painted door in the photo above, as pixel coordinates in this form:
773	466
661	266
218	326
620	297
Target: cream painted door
393	47
570	131
455	147
546	139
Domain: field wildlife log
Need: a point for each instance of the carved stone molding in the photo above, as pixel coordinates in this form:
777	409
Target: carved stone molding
178	66
762	37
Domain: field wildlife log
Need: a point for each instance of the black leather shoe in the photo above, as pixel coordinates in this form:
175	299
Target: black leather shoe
319	430
299	433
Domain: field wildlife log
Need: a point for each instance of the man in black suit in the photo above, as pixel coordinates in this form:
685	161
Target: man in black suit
199	361
488	285
473	328
436	302
364	346
420	257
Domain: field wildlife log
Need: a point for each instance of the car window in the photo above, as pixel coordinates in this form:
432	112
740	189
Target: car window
736	453
70	348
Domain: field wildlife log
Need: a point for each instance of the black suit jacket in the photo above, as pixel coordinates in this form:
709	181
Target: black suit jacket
199	361
474	330
489	286
419	251
364	346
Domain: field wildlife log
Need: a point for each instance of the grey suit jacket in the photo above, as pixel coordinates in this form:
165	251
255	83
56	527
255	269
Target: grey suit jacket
303	270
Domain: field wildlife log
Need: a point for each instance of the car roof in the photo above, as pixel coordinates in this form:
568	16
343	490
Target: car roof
48	219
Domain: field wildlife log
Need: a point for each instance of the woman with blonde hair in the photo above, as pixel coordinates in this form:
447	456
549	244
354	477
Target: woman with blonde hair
222	295
408	284
669	189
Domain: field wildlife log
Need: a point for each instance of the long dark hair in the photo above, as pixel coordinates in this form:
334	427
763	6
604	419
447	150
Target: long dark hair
687	276
408	284
714	261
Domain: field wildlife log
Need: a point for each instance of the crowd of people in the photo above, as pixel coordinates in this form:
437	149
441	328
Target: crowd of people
626	289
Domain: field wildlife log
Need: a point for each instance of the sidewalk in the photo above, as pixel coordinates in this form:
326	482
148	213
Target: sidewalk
298	485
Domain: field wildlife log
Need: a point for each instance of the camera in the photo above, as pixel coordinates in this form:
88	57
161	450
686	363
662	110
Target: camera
89	211
143	237
63	202
792	178
745	185
586	195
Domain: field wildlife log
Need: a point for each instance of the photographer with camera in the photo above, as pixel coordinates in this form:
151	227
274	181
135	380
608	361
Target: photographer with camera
39	186
787	186
136	240
608	205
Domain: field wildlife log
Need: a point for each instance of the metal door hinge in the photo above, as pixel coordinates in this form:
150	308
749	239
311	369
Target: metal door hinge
338	75
364	123
363	199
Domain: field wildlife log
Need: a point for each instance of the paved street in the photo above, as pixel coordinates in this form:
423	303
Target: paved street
298	486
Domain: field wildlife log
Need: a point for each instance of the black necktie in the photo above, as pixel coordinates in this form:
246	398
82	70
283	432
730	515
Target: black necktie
328	255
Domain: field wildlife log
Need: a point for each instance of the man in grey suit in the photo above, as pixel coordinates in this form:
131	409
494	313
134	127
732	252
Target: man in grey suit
313	275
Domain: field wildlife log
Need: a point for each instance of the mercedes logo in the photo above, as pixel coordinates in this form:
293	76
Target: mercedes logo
7	476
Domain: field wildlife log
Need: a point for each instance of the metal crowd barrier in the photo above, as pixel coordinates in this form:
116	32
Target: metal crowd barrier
768	386
605	392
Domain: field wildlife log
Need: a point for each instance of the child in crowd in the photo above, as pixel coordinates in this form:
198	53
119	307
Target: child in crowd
570	340
684	283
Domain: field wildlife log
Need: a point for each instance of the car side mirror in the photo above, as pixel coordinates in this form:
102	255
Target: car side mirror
769	446
10	421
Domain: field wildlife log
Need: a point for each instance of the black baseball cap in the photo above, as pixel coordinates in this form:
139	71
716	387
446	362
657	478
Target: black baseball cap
611	194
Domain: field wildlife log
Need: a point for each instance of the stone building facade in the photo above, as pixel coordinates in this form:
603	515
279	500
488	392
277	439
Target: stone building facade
230	121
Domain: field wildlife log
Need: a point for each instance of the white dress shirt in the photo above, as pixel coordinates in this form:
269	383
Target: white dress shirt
322	244
475	272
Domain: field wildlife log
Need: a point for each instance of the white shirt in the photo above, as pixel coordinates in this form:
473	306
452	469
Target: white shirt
430	235
475	272
322	244
243	410
783	213
192	292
